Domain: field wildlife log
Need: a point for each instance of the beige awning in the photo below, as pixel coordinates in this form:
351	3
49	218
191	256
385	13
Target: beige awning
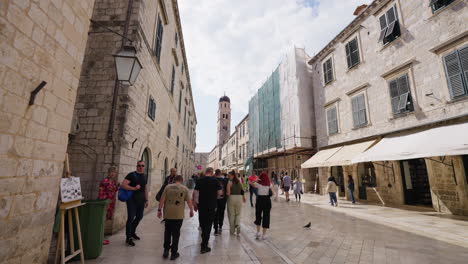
320	158
339	156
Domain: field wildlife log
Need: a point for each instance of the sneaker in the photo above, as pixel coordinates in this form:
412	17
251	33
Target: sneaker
130	242
257	235
135	237
336	205
264	237
205	250
166	253
174	256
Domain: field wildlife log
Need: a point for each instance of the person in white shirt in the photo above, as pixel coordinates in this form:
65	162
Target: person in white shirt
263	204
331	190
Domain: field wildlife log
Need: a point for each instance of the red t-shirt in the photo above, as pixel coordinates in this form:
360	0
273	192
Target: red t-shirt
252	178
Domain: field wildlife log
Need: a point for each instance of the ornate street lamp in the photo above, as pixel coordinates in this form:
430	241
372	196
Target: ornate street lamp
127	65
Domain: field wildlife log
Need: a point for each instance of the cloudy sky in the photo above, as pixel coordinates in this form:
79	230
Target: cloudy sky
233	45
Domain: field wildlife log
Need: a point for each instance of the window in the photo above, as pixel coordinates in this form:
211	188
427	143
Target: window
177	142
172	80
182	68
332	121
180	100
227	116
151	108
389	26
169	130
358	104
159	36
145	157
400	95
176	39
352	53
185	115
456	69
328	71
439	4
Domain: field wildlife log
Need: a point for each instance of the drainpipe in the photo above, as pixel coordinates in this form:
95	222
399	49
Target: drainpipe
110	131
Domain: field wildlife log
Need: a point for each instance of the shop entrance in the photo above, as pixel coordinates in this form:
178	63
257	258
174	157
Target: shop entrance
416	182
337	172
366	178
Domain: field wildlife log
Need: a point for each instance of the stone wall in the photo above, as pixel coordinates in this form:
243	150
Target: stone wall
39	41
134	131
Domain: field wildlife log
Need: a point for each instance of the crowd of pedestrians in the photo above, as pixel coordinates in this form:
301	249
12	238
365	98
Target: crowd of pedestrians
207	193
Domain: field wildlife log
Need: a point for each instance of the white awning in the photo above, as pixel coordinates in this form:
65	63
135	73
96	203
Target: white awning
320	158
440	141
345	155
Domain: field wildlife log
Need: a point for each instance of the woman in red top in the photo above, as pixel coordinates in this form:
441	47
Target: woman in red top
263	204
107	190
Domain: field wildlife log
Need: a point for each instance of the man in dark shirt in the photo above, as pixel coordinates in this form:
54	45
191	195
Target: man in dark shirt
136	182
221	203
207	191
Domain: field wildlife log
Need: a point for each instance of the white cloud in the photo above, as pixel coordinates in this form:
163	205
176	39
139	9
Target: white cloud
233	45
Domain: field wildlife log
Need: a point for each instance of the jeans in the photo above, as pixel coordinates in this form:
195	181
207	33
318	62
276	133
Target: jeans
333	199
172	234
252	192
219	218
297	194
351	194
206	217
134	215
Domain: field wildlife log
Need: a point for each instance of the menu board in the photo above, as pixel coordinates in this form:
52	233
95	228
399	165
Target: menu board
70	189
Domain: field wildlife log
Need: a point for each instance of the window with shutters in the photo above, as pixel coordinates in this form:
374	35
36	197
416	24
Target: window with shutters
456	70
358	105
180	100
172	80
328	71
182	68
332	121
177	142
437	5
176	39
400	95
152	108
389	26
352	53
169	130
158	41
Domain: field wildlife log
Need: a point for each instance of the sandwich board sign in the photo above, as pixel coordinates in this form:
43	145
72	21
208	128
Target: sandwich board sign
70	189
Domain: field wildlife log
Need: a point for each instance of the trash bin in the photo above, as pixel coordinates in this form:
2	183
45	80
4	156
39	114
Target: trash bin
92	219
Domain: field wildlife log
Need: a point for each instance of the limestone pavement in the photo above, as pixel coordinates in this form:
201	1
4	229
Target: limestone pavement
335	237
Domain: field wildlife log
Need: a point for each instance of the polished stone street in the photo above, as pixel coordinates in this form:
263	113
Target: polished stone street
334	237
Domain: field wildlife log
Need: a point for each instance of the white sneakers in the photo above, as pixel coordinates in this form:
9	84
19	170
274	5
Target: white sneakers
257	235
264	237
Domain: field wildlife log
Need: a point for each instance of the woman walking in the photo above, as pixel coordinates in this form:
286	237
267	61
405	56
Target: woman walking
107	189
351	188
298	189
235	194
331	189
276	184
263	204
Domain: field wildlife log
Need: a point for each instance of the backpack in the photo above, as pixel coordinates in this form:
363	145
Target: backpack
125	195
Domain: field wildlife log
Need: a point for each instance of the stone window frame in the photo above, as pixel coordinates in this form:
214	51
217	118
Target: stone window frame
327	108
169	128
410	92
158	39
330	58
151	108
353	97
463	72
358	43
397	23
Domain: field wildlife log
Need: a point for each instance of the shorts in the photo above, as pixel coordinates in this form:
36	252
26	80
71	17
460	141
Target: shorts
286	188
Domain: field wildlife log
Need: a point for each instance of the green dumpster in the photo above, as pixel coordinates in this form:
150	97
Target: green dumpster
92	219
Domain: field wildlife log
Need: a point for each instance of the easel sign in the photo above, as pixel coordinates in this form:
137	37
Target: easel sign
70	189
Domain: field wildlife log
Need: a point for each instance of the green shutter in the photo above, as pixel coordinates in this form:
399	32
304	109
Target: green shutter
463	55
395	96
362	110
355	111
454	74
348	55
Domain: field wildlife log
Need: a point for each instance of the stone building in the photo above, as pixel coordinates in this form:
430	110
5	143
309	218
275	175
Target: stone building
40	41
242	146
223	131
281	120
153	120
391	105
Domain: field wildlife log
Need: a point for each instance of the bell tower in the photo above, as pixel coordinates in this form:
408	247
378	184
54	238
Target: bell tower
224	120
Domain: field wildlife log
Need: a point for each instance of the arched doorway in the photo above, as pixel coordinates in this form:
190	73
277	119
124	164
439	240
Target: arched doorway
337	172
145	156
366	178
166	169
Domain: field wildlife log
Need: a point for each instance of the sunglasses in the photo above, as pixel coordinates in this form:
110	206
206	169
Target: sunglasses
140	165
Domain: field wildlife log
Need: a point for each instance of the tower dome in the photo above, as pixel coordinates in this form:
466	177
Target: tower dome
224	99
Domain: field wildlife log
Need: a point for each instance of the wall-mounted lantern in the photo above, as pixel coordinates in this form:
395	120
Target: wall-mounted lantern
127	65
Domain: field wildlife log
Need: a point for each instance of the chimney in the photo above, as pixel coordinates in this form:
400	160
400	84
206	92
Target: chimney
359	10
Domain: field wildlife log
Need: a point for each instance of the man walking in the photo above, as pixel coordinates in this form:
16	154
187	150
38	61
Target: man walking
173	201
206	193
286	185
253	190
136	182
221	203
